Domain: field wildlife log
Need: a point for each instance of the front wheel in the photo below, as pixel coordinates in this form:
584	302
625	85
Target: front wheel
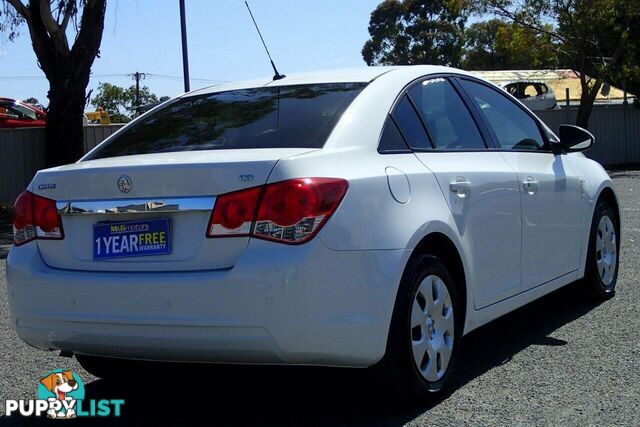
424	338
601	272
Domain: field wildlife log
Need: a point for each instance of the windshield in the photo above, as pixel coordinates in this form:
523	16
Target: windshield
267	117
16	110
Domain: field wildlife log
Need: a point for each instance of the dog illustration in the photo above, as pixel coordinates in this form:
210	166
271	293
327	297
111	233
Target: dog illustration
60	383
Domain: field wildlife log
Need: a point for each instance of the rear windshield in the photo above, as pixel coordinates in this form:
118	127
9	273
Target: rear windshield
267	117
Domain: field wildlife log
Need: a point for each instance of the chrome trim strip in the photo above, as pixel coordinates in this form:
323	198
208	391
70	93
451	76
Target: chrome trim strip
135	206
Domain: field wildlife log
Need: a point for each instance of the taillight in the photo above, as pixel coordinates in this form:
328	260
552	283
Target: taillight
233	213
290	211
35	217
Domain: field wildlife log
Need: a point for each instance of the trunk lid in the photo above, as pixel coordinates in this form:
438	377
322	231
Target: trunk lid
180	187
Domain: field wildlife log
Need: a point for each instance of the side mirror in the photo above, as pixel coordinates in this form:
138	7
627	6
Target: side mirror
574	138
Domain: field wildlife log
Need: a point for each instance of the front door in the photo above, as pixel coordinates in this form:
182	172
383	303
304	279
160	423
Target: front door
549	189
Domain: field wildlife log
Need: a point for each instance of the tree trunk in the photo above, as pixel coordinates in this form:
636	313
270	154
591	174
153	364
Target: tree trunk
67	71
587	99
64	132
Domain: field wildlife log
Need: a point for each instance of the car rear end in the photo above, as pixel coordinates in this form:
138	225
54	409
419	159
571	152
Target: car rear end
170	241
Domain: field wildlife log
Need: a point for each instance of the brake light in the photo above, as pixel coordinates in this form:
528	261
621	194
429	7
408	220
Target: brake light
291	211
35	217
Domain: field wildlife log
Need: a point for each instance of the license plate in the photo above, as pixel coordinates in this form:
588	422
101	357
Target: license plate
131	239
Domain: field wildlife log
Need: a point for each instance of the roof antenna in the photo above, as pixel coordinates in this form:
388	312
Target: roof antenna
277	75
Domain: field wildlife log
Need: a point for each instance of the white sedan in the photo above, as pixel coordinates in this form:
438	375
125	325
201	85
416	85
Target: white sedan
358	218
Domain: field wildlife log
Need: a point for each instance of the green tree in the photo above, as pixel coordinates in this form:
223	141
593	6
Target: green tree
416	32
66	67
498	45
120	102
628	75
31	101
590	35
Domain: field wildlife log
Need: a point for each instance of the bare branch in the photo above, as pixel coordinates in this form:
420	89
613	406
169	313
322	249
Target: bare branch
59	37
20	8
506	13
67	15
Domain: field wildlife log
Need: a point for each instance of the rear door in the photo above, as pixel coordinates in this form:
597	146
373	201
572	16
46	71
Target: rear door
550	189
479	186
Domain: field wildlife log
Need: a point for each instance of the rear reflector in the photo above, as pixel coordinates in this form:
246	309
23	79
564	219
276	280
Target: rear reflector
35	217
290	211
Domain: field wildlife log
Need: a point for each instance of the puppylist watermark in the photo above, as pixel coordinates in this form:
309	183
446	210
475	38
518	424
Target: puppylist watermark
61	395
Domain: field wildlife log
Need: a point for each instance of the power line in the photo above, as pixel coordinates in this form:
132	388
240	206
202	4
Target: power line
93	76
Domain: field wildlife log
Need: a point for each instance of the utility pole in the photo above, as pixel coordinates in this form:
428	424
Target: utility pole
137	77
185	54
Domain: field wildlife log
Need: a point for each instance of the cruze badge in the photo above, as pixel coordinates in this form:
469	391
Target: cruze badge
124	184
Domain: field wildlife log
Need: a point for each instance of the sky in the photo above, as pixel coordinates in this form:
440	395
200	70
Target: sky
144	36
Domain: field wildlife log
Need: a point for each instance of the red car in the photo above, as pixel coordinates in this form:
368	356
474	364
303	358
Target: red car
16	114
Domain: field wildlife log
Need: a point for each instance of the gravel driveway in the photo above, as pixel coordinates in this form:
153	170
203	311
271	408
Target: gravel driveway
558	361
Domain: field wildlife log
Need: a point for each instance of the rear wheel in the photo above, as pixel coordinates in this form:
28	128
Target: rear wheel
424	338
601	273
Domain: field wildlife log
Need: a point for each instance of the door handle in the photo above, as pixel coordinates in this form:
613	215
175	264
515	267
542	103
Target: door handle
461	187
530	185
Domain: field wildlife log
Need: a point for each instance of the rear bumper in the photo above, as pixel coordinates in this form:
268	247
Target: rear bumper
279	304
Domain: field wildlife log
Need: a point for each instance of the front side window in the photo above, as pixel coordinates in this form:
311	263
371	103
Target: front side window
268	117
448	120
512	127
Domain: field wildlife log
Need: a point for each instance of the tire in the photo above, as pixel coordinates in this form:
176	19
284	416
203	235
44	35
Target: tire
415	368
601	273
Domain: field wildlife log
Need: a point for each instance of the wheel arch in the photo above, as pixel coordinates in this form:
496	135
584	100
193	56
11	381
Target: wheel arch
440	245
608	194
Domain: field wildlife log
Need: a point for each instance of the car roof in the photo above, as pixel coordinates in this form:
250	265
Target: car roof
339	75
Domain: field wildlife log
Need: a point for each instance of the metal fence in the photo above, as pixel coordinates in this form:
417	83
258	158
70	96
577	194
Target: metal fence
22	154
616	128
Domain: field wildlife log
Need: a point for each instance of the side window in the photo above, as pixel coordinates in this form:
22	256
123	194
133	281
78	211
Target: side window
410	125
530	90
450	124
392	140
511	126
512	89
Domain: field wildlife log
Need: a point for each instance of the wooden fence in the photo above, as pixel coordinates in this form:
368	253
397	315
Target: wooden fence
616	128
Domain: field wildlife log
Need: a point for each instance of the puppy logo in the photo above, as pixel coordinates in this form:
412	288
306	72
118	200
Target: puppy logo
62	389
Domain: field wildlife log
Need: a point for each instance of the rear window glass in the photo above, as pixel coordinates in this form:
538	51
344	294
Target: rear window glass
267	117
